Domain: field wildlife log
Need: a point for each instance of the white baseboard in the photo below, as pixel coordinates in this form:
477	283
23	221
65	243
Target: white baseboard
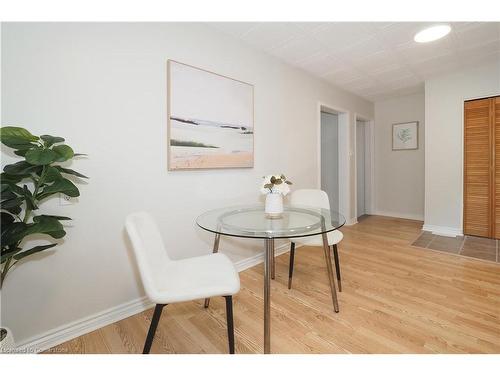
400	215
351	221
443	231
80	327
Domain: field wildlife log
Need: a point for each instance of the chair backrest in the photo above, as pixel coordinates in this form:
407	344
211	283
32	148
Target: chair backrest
149	249
310	197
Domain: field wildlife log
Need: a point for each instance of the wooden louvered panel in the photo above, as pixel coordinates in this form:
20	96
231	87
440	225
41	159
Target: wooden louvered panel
495	105
477	168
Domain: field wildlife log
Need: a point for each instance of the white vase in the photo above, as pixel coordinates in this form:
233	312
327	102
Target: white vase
274	205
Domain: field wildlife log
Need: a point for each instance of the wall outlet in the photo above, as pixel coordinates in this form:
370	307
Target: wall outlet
65	200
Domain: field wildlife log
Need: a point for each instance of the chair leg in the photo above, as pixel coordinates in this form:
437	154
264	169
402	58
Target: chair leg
337	265
290	267
152	328
230	323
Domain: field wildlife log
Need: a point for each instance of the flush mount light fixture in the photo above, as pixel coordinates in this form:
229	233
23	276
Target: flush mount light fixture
432	33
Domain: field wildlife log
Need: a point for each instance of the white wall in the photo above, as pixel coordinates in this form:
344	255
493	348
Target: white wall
399	175
444	97
103	88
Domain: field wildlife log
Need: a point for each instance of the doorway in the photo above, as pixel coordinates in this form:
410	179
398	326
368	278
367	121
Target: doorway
330	157
363	167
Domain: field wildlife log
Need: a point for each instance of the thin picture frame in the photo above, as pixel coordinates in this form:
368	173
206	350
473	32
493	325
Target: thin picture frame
416	123
169	113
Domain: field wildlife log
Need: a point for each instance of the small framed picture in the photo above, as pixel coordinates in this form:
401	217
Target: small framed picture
405	136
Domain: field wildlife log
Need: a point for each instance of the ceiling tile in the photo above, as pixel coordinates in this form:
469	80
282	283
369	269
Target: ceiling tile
236	29
373	59
337	36
271	35
298	49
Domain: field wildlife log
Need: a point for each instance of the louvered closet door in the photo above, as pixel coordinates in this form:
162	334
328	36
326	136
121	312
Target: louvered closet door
478	136
495	118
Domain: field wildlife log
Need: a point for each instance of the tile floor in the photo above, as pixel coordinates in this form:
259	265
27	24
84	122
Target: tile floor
469	246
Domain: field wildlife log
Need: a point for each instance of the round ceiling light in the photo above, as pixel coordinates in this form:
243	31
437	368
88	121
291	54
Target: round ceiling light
432	33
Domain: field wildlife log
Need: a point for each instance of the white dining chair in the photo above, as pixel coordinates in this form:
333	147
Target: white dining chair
168	281
314	198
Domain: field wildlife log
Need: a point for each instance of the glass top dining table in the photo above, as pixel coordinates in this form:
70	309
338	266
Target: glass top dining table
253	222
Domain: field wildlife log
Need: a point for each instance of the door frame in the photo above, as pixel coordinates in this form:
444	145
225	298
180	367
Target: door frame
345	154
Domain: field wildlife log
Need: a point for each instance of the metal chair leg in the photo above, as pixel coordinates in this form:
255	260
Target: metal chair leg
152	328
230	324
337	265
214	250
290	267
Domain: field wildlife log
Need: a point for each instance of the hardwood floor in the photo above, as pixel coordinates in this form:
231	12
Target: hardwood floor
396	299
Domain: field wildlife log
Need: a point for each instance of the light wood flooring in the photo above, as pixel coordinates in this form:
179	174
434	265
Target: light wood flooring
396	299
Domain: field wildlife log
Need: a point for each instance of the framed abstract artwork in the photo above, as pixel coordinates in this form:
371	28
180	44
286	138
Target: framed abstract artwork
210	119
405	136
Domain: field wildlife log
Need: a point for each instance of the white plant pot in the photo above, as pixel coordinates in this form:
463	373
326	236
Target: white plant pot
7	344
274	205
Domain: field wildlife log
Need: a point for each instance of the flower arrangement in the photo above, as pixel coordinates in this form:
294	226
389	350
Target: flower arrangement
275	184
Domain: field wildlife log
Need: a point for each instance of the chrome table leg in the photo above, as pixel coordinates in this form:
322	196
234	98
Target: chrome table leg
267	293
329	267
273	264
215	250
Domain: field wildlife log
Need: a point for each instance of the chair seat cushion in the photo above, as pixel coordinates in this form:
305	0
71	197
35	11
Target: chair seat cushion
196	278
334	237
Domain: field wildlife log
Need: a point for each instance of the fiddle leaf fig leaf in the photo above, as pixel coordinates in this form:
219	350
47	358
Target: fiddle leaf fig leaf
52	174
62	185
21	168
17	138
63	152
49	140
70	171
40	156
33	250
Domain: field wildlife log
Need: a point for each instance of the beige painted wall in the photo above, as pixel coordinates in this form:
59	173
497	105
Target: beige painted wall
399	175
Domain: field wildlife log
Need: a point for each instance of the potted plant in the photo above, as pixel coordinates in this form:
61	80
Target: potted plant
24	186
275	187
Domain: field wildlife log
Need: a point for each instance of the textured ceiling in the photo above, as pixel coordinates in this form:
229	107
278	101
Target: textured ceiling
375	60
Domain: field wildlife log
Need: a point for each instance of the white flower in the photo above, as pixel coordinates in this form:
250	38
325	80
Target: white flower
281	188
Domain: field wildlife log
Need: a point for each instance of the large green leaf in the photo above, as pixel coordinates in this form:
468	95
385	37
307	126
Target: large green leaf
9	203
63	185
30	201
10	185
41	156
33	250
37	219
22	152
12	233
49	140
17	138
9	253
42	225
21	168
70	171
63	152
52	174
7	193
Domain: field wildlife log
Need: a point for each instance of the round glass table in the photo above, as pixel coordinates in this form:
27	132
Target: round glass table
252	222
